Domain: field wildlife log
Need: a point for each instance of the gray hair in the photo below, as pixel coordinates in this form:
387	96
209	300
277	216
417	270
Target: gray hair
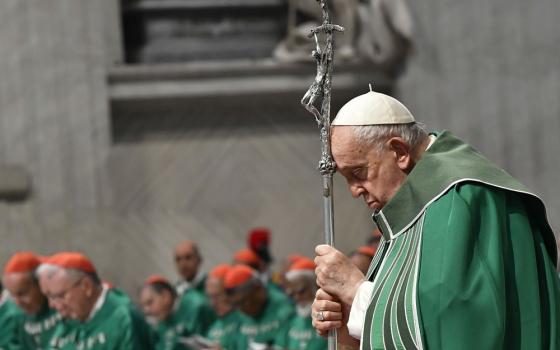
375	135
49	270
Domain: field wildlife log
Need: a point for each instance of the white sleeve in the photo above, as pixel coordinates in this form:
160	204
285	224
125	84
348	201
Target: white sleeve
359	308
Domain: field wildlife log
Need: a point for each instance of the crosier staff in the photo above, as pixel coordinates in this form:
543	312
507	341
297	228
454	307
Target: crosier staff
320	90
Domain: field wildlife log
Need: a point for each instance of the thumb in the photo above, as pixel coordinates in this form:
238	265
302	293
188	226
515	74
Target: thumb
323	249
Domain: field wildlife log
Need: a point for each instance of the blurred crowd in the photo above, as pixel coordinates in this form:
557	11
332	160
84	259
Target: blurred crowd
60	302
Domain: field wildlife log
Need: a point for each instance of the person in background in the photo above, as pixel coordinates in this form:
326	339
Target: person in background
301	287
224	330
248	257
10	320
266	315
362	257
285	265
160	304
258	240
191	288
39	321
100	320
374	239
188	261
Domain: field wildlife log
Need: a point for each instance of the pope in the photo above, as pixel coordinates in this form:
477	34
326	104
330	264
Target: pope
467	258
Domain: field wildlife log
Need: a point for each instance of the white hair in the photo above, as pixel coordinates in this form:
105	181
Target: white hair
48	270
375	135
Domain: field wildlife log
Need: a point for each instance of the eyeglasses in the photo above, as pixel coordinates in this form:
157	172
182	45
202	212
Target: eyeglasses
62	295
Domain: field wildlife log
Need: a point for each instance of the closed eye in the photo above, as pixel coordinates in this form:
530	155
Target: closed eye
359	173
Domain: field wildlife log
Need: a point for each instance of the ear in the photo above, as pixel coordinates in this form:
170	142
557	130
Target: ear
401	151
88	286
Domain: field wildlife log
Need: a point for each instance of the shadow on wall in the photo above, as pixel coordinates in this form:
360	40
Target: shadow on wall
168	118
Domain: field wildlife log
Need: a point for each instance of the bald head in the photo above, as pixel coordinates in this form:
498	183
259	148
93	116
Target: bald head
187	259
25	291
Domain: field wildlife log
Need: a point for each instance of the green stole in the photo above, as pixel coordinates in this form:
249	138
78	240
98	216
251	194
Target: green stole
38	330
447	257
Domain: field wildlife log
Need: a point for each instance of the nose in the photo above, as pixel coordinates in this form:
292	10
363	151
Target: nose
356	190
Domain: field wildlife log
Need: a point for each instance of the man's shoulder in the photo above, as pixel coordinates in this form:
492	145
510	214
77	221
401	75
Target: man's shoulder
192	298
281	307
117	309
473	193
10	309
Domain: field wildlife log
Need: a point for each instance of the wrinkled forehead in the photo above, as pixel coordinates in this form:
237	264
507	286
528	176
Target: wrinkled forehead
186	248
17	280
347	150
60	278
214	284
147	293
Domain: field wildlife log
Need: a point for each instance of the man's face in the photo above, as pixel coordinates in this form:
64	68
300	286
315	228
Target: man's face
250	302
45	283
25	291
156	305
217	296
300	291
71	297
187	260
374	176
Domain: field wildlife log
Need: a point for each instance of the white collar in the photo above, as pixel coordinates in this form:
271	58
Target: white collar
432	140
184	285
99	303
4	297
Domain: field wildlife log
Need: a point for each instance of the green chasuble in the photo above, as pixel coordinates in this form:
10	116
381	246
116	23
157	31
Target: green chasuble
467	260
37	331
268	328
121	296
10	320
195	309
169	332
224	330
302	336
198	283
114	326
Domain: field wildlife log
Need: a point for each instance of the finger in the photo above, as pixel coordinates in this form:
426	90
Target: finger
322	295
325	305
326	326
329	315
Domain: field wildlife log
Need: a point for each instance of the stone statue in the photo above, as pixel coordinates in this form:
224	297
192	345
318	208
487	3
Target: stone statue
380	31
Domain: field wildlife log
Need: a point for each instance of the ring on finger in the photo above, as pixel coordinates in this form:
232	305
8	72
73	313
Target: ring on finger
320	316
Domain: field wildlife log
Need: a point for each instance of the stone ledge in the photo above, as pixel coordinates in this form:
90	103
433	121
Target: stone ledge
178	5
232	78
